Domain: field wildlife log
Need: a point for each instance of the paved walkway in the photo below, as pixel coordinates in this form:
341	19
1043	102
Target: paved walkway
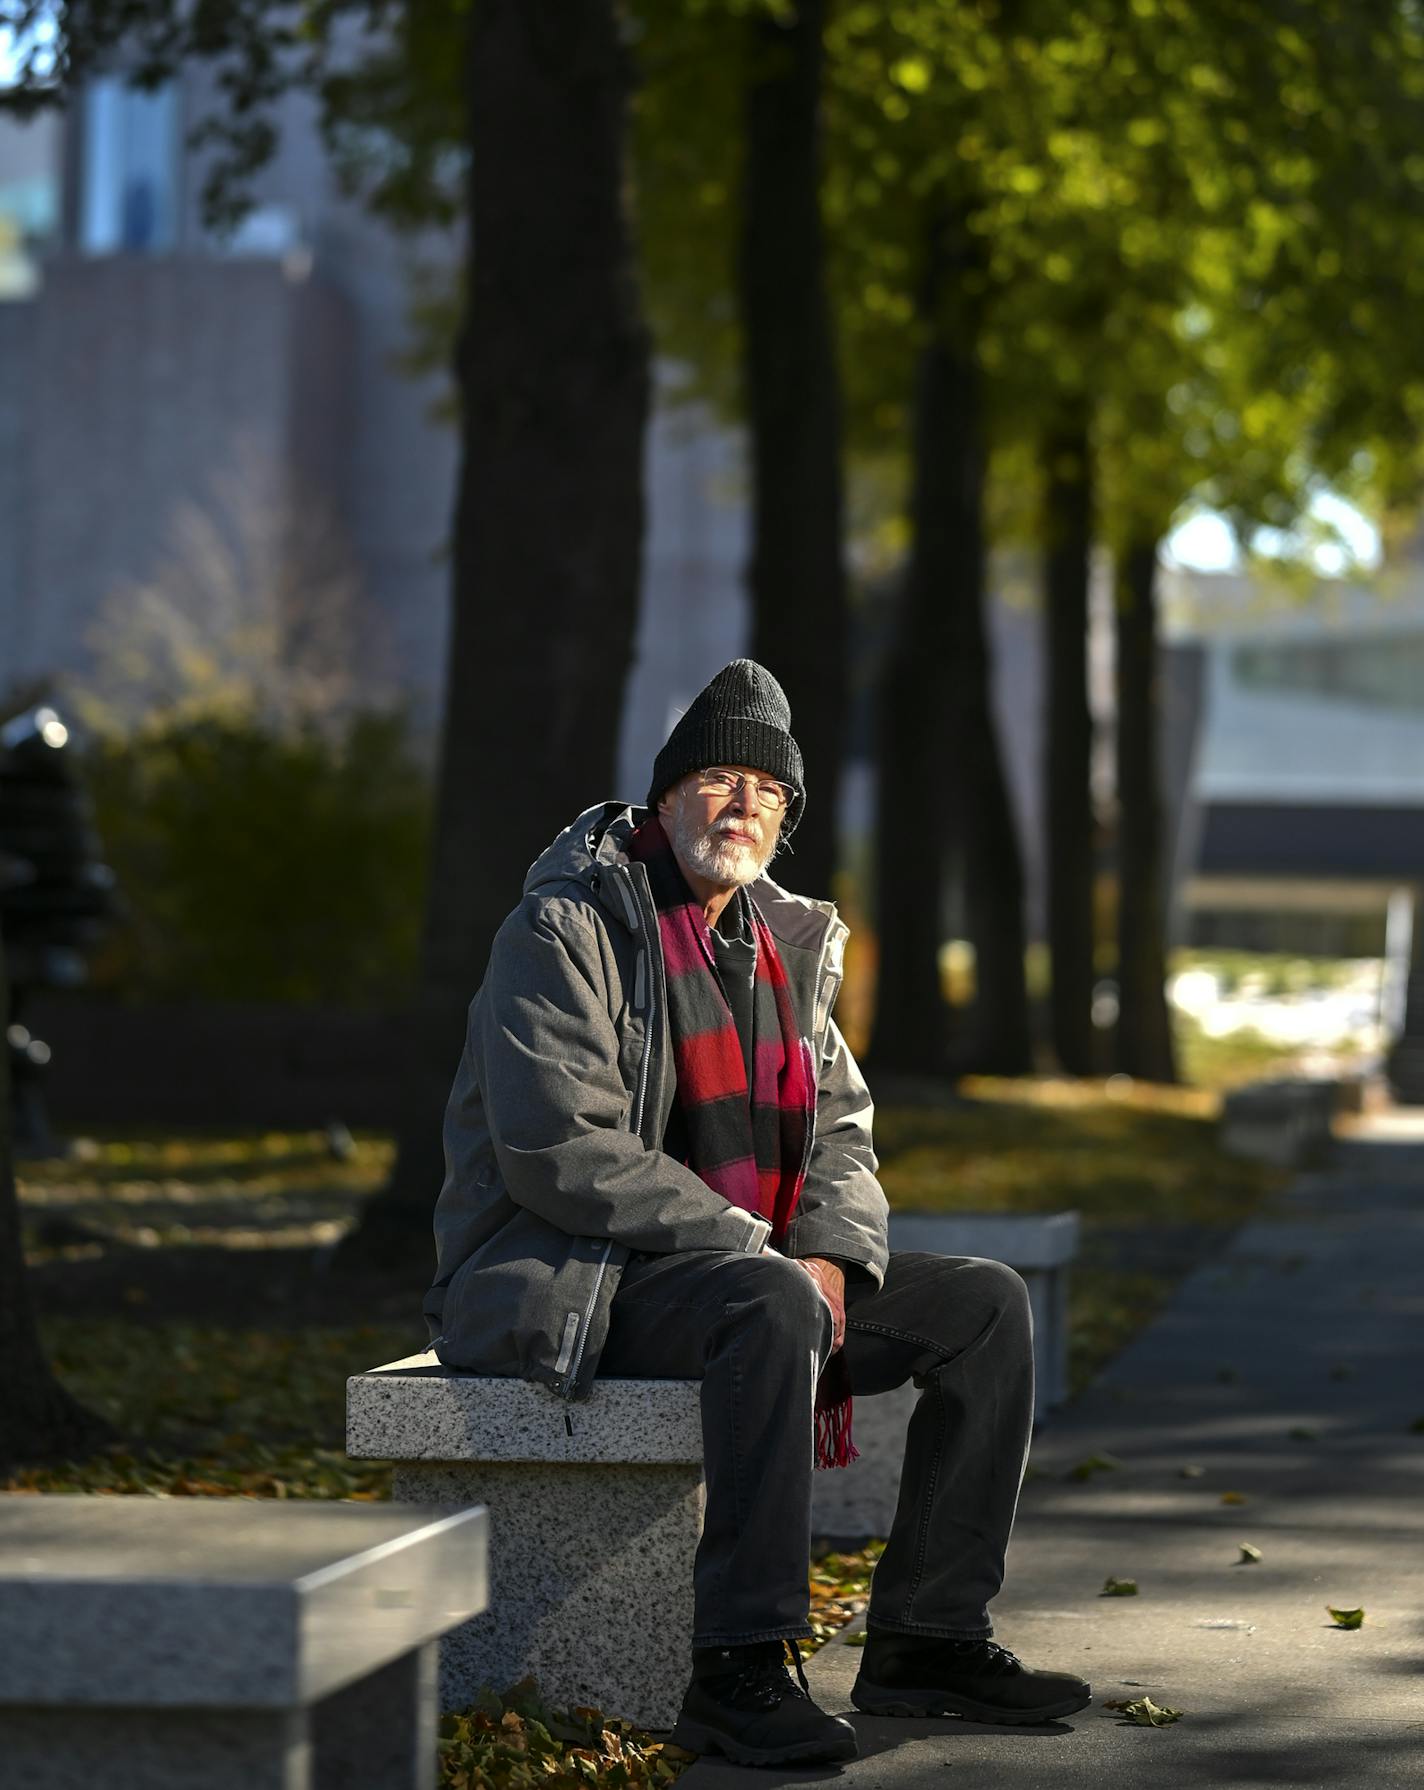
1290	1372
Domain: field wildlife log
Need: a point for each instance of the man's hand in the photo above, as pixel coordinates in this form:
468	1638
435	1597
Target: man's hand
830	1278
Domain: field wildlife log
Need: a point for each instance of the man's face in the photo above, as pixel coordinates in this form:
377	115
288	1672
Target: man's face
728	839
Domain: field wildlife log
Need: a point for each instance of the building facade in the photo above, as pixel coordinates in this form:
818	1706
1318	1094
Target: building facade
1309	779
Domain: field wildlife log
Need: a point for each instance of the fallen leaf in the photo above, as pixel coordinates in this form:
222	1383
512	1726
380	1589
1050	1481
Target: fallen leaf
1095	1463
1249	1554
1301	1432
1144	1712
856	1640
1118	1587
1417	1427
1191	1472
1346	1618
1234	1498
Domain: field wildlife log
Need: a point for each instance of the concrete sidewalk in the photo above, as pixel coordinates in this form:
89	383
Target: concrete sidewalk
1290	1372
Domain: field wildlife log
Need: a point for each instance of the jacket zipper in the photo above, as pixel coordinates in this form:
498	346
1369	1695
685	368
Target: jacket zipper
571	1379
810	1143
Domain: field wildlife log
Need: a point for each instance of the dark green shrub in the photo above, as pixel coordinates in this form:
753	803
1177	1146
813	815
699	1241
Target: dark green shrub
264	867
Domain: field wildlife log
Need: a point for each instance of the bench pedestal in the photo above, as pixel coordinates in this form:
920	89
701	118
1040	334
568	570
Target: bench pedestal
590	1583
379	1734
595	1512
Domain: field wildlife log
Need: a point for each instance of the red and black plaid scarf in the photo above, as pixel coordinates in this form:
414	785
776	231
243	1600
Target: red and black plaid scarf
750	1144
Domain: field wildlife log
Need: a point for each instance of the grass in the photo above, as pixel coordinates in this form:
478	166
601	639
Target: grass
1139	1164
154	1189
1142	1156
1231	1061
208	1412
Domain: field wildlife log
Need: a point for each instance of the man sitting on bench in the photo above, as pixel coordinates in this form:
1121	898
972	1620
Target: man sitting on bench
659	1165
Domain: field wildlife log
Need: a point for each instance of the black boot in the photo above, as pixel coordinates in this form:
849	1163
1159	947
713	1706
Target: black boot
743	1704
923	1675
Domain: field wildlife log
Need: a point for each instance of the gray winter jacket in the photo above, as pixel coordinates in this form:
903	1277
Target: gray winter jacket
554	1171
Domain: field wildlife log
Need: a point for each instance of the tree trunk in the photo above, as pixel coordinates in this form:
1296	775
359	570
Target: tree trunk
553	373
943	789
1068	738
38	1418
912	849
1144	1032
797	572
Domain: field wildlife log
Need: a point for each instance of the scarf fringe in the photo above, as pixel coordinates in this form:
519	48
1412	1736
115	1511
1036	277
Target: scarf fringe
834	1447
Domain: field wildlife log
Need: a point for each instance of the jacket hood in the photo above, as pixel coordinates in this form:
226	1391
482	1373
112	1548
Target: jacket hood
591	842
594	844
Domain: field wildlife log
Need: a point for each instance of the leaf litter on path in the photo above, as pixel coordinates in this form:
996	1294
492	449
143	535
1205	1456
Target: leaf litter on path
1118	1587
1094	1463
1143	1712
1346	1618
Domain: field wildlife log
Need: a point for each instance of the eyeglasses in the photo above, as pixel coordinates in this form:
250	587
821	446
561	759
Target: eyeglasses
771	794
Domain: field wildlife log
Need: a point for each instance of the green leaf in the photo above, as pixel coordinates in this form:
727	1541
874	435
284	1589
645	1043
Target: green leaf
1249	1554
1346	1618
1118	1588
1301	1432
1095	1463
856	1640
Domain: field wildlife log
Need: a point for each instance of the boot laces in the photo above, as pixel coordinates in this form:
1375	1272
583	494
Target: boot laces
993	1660
765	1682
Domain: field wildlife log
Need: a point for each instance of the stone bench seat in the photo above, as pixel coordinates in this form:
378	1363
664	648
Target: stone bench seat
1285	1123
158	1644
596	1511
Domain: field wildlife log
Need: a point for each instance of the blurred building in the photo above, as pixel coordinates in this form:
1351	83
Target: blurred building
155	371
1309	779
152	373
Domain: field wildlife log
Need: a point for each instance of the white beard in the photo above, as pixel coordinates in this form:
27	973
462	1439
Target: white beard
730	863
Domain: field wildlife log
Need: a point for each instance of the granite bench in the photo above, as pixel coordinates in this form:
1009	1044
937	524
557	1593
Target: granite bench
1286	1123
596	1510
163	1644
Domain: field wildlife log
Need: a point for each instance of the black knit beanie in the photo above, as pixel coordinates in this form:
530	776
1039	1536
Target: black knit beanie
742	717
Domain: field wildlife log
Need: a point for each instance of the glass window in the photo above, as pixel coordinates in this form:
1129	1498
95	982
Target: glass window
1381	671
128	195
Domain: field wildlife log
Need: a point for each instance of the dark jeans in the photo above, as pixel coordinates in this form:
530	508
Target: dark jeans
755	1330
